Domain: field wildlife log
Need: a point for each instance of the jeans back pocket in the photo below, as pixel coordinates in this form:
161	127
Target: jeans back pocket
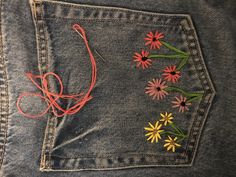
150	96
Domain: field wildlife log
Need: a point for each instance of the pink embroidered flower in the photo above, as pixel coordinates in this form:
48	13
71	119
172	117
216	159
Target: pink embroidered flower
155	89
153	40
142	59
171	74
181	103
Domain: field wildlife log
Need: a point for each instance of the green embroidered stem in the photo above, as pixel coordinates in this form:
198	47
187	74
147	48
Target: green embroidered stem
167	56
178	131
176	128
169	132
181	55
190	96
181	139
172	133
194	98
182	63
173	48
184	55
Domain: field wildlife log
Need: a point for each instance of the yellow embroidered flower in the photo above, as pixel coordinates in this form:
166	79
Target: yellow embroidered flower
154	132
171	144
166	118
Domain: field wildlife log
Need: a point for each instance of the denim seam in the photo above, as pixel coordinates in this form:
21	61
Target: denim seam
141	14
113	9
42	66
202	70
116	156
50	116
120	164
110	169
190	134
117	20
109	155
51	127
4	98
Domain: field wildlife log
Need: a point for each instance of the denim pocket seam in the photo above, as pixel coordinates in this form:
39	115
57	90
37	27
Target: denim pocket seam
141	14
4	99
42	65
51	120
115	9
76	163
201	69
113	20
108	155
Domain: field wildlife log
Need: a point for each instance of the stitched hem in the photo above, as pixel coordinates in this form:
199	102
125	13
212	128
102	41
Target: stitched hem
4	101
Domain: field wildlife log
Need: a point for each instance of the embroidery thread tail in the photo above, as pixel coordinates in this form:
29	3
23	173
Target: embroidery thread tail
51	98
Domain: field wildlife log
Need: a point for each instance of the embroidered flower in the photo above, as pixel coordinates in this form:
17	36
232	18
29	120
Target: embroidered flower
171	74
153	40
182	103
142	59
155	89
166	118
171	144
154	132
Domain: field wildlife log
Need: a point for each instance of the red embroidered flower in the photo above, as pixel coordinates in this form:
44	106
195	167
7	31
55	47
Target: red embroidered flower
181	103
142	59
155	89
153	40
171	74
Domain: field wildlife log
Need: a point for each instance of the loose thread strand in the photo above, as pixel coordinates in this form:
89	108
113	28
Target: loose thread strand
51	98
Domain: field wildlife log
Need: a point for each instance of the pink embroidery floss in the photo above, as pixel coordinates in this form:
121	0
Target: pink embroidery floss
51	98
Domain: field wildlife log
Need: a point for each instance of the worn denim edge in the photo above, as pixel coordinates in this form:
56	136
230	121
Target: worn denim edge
4	99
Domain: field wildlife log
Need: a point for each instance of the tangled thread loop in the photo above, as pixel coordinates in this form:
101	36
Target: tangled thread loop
51	98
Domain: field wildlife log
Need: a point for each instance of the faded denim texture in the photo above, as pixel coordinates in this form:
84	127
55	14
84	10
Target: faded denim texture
73	142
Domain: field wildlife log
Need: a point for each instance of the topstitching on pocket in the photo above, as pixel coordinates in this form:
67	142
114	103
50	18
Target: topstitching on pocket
4	100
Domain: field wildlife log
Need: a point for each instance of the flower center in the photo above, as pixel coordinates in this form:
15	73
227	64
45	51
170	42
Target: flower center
154	39
158	89
172	72
144	58
183	103
172	143
154	131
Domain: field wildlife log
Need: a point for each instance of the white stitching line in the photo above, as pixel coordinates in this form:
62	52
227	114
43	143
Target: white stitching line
110	8
4	97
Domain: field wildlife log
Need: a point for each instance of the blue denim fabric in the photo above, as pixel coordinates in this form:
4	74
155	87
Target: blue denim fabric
107	134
